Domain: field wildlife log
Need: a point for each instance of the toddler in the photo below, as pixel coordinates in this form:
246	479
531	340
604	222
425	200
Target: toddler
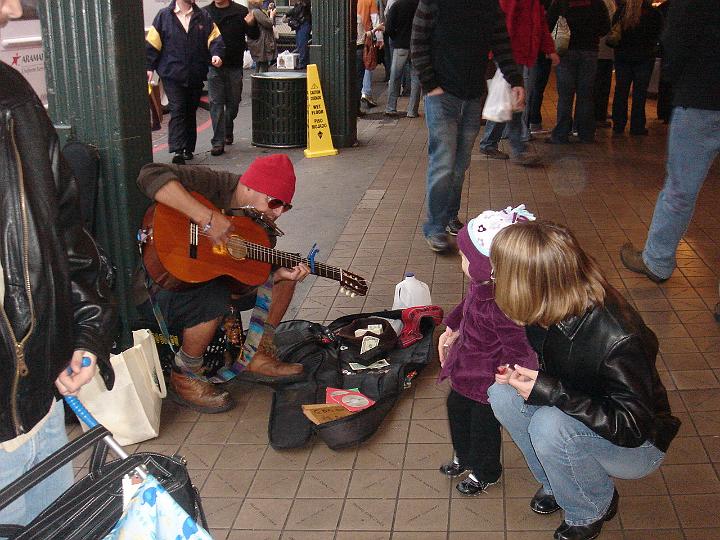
478	340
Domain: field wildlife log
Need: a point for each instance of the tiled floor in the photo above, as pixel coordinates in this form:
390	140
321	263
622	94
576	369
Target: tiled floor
390	486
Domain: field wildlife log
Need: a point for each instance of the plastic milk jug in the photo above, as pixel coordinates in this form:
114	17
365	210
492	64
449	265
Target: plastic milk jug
411	292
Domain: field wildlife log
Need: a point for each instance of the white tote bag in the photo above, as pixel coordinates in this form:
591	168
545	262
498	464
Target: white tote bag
131	410
499	103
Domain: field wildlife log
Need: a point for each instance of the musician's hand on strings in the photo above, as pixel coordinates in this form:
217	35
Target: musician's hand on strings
218	227
297	273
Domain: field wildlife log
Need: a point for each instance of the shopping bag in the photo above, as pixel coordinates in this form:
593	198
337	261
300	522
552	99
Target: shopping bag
561	35
154	515
499	103
131	410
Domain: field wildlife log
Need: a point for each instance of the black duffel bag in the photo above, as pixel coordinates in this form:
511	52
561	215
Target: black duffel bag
92	506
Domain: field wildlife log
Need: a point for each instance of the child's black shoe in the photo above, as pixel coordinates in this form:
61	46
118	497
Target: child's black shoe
452	469
471	486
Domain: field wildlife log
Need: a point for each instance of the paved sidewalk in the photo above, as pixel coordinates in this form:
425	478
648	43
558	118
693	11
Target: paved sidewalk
365	208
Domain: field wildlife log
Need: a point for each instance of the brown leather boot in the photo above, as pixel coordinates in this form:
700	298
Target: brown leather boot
199	395
268	369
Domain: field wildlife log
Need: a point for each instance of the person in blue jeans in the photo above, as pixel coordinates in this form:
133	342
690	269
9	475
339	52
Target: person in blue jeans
588	21
691	45
596	409
455	88
398	28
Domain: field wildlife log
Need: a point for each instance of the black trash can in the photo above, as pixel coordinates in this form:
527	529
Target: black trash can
279	109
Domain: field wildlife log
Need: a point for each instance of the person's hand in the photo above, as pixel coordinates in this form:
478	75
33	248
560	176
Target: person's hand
503	373
445	341
554	58
296	273
518	94
523	380
149	75
272	14
250	18
436	92
68	384
216	61
380	27
220	228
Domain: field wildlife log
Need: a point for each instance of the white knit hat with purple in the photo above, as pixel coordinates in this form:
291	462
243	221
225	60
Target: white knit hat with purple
484	227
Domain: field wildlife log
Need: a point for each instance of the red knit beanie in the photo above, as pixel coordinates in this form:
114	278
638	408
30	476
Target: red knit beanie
272	175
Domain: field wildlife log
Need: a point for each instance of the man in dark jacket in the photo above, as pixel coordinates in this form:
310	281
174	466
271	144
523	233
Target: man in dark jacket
691	50
398	27
56	305
225	83
450	61
181	43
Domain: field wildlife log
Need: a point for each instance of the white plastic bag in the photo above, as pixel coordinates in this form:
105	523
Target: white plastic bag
499	103
247	60
131	410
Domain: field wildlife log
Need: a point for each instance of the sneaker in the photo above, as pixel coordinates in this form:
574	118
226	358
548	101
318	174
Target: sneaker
526	159
217	150
392	114
412	114
452	469
471	486
178	158
187	155
229	139
369	101
493	153
537	128
438	242
453	228
633	261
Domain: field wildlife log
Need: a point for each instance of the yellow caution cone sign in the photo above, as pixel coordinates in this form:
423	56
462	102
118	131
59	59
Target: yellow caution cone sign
319	140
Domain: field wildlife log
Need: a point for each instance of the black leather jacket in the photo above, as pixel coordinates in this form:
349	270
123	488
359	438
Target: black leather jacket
599	368
57	297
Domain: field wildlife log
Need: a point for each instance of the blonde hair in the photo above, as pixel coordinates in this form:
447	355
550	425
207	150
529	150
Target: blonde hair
542	275
632	13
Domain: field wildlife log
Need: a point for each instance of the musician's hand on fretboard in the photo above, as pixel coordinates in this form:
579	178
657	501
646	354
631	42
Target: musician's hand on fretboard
297	273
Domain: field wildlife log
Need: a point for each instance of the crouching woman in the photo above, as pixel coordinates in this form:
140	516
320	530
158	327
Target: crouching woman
596	409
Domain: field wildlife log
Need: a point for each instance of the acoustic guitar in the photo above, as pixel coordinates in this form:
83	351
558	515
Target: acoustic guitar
176	253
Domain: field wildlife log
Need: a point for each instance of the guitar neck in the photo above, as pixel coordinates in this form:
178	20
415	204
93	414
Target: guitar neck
289	260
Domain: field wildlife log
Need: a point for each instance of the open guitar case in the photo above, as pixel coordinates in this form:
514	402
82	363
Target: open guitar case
325	357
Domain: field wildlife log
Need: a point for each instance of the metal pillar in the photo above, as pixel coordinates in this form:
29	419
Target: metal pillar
334	30
97	94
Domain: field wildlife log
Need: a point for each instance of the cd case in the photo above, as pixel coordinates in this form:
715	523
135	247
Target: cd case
352	400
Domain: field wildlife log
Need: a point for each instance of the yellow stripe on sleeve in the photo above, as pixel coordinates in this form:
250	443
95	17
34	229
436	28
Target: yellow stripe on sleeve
153	38
213	35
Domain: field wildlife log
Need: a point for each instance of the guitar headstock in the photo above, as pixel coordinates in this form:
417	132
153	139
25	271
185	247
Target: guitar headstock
352	284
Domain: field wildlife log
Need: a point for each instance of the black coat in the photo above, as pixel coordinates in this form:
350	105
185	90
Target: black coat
599	368
57	298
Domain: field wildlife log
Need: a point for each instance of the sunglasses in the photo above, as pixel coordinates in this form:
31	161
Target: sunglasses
274	204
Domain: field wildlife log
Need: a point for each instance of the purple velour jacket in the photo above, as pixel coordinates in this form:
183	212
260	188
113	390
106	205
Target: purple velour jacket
488	338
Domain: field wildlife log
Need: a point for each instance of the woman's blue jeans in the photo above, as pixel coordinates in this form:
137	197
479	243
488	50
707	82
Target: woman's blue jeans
570	460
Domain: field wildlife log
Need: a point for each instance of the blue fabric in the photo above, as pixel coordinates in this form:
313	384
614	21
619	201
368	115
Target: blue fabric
571	461
400	59
638	75
184	57
49	438
302	37
453	125
154	515
693	145
575	81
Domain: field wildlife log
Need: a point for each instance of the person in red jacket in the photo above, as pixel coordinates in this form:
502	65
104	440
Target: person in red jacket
529	36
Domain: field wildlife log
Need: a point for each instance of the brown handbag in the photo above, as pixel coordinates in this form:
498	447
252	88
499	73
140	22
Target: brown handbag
370	53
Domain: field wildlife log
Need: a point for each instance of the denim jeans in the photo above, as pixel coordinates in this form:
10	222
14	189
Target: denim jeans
693	145
539	75
570	460
47	440
302	37
401	57
225	87
517	131
575	80
367	83
453	125
638	75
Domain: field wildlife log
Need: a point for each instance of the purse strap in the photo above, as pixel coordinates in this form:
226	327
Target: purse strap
51	464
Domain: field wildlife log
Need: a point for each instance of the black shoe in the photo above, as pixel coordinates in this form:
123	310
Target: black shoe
542	503
188	155
453	228
228	139
438	242
587	532
493	153
370	102
471	487
392	114
217	150
452	469
633	261
178	158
